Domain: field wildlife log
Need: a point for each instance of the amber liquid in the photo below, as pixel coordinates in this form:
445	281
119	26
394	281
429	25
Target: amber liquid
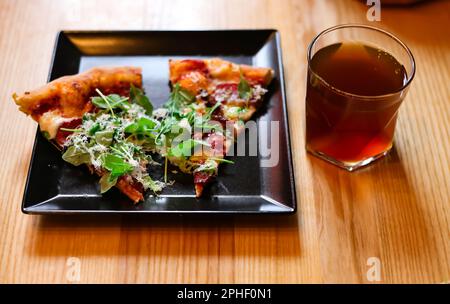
340	124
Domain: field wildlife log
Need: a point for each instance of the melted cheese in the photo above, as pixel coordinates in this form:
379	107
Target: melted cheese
50	122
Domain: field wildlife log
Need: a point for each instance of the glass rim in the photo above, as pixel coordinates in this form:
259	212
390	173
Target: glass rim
368	27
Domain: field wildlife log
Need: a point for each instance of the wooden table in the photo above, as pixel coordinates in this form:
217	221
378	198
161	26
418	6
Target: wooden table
396	211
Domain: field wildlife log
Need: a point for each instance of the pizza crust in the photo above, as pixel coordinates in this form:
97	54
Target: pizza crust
69	95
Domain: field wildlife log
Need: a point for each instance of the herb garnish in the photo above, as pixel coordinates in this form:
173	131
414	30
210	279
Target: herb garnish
116	139
105	139
107	102
116	165
137	96
179	98
244	89
184	149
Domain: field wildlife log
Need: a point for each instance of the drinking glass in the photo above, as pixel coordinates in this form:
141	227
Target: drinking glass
347	129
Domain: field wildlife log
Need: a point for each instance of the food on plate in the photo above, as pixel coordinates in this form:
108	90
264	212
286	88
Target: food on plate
63	101
210	95
96	119
101	118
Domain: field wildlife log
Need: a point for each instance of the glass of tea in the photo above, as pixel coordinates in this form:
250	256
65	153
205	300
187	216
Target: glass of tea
358	76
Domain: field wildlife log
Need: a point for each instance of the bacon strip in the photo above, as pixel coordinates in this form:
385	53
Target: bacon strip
131	188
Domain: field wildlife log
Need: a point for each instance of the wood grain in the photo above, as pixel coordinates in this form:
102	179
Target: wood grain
397	209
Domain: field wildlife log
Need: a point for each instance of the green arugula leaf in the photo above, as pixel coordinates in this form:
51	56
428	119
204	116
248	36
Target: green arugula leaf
178	98
184	95
116	165
184	148
131	128
104	138
166	129
95	127
99	102
137	96
107	182
244	89
110	102
76	156
146	123
119	102
143	126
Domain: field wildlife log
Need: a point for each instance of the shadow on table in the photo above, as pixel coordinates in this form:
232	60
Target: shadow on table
374	211
168	235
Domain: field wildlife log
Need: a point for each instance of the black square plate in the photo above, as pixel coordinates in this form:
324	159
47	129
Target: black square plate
54	186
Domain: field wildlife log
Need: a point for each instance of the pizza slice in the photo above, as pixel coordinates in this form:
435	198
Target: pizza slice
98	118
208	93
